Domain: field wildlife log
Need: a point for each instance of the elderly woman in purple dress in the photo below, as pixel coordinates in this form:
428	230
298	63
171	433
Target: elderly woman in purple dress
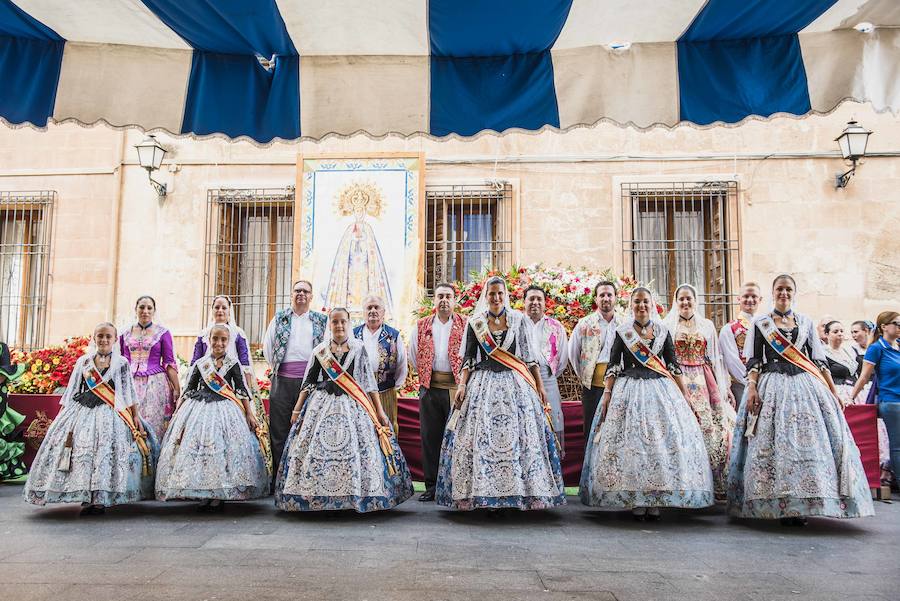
149	349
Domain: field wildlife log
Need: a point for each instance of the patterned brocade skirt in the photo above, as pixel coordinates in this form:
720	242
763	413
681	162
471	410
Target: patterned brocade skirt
802	461
209	452
333	460
502	452
105	467
715	417
648	452
156	401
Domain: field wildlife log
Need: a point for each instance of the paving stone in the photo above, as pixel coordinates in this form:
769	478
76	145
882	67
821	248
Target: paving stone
161	551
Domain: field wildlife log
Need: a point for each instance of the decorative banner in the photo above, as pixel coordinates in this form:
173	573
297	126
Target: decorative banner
359	230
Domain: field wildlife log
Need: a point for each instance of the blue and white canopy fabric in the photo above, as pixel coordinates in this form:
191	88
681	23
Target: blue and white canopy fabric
289	68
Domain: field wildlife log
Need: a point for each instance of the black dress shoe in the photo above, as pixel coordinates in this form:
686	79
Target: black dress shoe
427	496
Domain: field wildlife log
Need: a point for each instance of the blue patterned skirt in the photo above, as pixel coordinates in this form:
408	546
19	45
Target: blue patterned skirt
802	460
333	460
209	452
105	467
502	452
649	451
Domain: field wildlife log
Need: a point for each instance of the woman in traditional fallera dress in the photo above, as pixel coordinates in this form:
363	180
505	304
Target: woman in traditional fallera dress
148	347
840	360
239	351
211	450
793	453
97	451
706	382
499	448
645	449
341	452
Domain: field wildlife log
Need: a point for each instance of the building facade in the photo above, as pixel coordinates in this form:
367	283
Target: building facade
83	234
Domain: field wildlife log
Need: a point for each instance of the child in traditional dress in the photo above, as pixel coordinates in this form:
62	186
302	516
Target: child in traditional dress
97	451
211	450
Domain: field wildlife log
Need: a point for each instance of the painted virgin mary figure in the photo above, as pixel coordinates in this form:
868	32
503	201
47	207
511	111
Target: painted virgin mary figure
358	270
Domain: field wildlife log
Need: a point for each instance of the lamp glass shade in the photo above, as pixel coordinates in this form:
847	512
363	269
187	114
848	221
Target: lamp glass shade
853	141
150	153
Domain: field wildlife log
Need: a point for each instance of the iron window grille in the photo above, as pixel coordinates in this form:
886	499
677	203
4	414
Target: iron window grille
249	250
684	232
468	228
26	220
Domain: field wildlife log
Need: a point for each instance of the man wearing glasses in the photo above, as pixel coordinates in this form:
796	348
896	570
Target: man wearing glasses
290	339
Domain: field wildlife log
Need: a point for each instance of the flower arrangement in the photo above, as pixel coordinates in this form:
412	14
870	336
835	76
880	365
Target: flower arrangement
264	385
570	292
48	370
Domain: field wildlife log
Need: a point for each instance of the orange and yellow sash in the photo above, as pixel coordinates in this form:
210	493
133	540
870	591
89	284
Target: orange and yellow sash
643	353
503	357
348	384
784	347
220	386
94	380
500	355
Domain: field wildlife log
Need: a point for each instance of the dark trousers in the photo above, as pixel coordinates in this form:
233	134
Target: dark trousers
590	400
434	411
737	389
282	399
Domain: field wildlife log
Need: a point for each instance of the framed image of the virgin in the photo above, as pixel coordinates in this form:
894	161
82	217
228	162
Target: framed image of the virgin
359	230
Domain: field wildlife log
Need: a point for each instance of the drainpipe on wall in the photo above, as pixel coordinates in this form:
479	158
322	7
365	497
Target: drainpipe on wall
114	242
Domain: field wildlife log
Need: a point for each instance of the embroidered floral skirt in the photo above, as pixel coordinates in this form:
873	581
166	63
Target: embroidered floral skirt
802	460
502	452
105	466
648	452
209	452
715	419
156	401
333	460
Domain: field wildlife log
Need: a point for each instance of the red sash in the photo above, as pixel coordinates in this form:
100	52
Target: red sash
348	384
94	380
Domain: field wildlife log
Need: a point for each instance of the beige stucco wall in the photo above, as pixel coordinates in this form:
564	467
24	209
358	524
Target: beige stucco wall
843	245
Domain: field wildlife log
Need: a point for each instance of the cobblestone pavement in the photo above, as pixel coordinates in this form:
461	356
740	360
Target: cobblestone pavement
158	551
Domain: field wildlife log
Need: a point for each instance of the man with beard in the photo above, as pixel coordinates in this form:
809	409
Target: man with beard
549	349
434	353
589	349
387	355
732	336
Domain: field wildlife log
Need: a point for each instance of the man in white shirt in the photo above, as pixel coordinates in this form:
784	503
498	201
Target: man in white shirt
549	350
732	337
589	349
290	339
386	352
434	354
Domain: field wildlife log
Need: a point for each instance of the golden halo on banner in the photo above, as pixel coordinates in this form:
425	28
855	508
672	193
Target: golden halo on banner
358	198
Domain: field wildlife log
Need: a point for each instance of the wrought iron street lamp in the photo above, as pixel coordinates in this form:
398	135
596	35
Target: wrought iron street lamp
852	142
150	155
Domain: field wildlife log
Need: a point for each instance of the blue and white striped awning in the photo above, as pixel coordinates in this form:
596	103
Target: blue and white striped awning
292	68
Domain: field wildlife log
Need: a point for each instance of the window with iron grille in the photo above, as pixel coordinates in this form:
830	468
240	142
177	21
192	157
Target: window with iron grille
468	228
249	246
25	223
684	233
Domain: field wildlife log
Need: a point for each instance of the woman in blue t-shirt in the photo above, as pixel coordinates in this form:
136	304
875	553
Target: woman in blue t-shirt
883	359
